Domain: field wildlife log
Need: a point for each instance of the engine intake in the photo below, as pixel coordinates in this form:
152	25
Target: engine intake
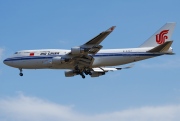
78	50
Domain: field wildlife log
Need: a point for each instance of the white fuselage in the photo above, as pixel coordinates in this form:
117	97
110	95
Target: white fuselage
41	59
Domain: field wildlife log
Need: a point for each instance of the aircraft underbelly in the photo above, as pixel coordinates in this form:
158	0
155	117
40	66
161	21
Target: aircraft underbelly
117	60
39	64
30	64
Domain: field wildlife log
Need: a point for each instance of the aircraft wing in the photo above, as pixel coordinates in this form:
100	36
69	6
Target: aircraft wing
106	69
82	55
95	72
102	70
93	45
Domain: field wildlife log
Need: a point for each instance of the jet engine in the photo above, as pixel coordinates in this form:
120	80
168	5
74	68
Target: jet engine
69	73
78	50
97	74
58	60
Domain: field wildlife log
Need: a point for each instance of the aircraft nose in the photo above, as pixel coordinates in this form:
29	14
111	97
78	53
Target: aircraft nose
5	61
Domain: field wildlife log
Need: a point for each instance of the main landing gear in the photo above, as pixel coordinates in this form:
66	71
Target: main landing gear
20	74
82	75
87	72
82	72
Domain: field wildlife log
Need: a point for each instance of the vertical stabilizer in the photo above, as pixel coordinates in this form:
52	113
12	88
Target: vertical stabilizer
161	36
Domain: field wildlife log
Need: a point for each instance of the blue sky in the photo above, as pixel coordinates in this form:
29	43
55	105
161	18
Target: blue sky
149	91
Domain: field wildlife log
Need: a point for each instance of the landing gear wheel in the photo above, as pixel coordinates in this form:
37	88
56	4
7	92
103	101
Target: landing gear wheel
86	72
21	74
83	77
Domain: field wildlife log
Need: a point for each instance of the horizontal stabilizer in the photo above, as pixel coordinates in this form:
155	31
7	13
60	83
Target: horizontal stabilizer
161	48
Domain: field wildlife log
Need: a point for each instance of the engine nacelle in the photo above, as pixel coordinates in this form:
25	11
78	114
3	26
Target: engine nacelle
57	60
69	73
77	50
97	74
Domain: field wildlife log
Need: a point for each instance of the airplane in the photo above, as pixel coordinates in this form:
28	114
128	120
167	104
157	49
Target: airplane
90	58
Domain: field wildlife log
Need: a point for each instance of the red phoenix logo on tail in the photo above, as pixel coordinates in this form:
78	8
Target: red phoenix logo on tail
160	38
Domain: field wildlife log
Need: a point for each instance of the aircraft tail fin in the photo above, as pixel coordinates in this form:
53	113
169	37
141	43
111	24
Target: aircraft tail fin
161	36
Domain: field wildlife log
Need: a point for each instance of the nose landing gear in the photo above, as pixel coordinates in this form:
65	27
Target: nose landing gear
20	74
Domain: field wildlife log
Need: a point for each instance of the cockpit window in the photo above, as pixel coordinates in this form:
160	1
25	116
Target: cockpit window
16	53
